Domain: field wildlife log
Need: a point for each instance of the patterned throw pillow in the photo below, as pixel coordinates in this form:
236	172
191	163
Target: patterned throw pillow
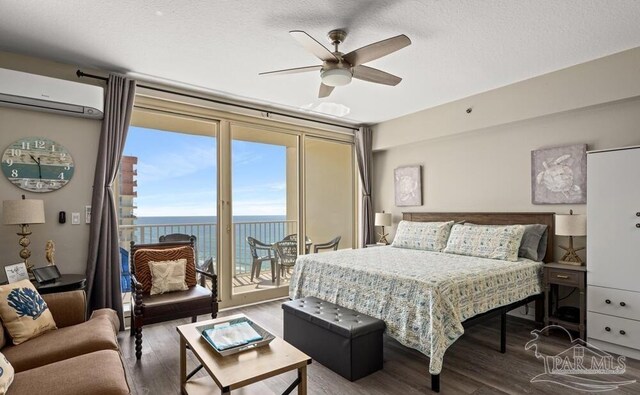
6	374
23	311
143	256
167	276
429	236
486	241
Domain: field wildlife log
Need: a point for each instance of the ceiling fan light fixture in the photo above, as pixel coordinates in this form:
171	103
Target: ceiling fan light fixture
336	77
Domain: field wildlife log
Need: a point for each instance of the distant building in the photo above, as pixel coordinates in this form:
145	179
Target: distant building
127	193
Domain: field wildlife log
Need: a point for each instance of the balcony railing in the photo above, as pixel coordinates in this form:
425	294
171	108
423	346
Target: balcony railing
206	238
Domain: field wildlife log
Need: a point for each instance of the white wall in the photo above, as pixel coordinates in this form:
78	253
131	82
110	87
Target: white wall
483	163
80	137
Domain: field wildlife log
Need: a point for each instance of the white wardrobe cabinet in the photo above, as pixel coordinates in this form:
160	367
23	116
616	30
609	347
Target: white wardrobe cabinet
613	250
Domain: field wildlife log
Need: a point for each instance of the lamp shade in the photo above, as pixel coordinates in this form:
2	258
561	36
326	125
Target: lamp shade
571	225
383	219
22	212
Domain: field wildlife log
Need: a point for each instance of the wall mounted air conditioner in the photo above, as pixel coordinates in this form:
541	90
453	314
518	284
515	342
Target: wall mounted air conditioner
40	93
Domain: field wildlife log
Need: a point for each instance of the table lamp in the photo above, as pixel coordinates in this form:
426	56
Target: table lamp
383	219
23	212
571	225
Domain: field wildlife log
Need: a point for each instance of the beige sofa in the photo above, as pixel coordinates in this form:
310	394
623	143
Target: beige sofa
80	357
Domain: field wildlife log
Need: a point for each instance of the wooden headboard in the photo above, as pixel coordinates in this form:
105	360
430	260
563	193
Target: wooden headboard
494	219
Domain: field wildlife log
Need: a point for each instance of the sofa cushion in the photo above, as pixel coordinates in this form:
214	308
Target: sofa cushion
143	256
6	374
23	311
195	298
96	373
94	335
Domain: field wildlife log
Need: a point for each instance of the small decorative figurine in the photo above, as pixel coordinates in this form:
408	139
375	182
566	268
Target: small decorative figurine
50	252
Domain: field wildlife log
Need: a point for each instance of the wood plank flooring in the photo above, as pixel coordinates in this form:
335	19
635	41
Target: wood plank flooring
472	365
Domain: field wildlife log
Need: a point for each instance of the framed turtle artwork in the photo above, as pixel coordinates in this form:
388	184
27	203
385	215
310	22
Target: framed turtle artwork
559	175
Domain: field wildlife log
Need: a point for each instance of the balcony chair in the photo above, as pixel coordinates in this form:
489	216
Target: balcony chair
257	247
151	309
206	266
294	237
331	245
287	252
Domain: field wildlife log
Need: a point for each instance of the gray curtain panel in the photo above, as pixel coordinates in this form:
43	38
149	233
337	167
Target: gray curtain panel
103	264
364	154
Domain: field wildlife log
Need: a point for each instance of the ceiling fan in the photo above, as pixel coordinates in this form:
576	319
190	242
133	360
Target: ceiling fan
337	69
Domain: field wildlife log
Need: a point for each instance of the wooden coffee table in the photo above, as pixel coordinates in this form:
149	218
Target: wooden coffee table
238	370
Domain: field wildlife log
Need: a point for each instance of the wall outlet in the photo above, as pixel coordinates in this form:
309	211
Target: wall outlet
75	218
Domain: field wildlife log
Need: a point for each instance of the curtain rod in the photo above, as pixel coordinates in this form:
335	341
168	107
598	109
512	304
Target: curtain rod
81	74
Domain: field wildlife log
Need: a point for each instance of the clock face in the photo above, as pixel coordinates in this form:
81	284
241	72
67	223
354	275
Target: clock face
37	164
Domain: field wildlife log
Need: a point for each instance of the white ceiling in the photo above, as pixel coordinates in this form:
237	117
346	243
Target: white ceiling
459	47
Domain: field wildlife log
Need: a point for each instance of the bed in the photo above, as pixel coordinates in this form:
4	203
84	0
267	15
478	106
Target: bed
425	298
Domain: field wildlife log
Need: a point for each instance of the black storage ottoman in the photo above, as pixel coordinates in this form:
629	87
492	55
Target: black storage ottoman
345	341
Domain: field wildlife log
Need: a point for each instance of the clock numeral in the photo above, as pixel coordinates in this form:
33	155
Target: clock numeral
14	173
26	145
63	155
53	148
38	144
67	167
9	162
39	185
16	152
61	176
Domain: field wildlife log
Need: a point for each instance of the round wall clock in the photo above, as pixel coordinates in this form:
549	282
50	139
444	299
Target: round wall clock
37	164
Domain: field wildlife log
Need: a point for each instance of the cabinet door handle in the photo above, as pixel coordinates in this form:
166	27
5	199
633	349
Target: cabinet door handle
606	328
638	214
623	332
562	276
623	304
637	225
607	301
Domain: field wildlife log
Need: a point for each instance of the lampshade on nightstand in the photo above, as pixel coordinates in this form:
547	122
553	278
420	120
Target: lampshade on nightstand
383	219
23	212
571	225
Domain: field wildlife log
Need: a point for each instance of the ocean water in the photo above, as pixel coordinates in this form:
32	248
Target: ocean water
266	228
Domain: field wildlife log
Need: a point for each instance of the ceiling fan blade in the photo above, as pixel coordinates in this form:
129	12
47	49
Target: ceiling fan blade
374	75
293	71
377	50
325	90
313	46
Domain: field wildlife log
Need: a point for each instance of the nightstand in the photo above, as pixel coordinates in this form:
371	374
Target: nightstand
569	276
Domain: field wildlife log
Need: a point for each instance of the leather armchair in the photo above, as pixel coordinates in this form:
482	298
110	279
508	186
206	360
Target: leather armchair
150	309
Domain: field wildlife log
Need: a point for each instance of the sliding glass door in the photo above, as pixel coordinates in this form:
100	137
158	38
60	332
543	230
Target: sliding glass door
255	193
264	208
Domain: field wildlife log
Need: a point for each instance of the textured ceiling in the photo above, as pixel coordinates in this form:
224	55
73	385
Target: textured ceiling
459	47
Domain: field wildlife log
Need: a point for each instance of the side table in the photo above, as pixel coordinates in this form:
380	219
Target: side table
66	282
571	276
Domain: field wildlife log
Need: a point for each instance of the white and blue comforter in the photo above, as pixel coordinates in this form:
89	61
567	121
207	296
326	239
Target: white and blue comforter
422	296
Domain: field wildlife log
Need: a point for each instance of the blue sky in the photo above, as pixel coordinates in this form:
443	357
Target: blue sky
177	175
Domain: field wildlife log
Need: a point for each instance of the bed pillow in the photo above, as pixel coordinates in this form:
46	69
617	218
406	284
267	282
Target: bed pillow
168	276
428	236
23	311
534	242
486	241
7	374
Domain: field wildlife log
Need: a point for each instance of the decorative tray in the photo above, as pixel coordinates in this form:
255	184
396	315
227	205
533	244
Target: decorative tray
264	336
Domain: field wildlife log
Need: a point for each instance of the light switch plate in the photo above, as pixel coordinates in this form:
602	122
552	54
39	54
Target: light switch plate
75	218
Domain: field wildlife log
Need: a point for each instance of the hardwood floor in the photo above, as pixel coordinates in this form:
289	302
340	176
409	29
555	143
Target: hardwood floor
472	365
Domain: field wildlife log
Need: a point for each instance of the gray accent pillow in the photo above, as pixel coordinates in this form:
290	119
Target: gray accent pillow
534	242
